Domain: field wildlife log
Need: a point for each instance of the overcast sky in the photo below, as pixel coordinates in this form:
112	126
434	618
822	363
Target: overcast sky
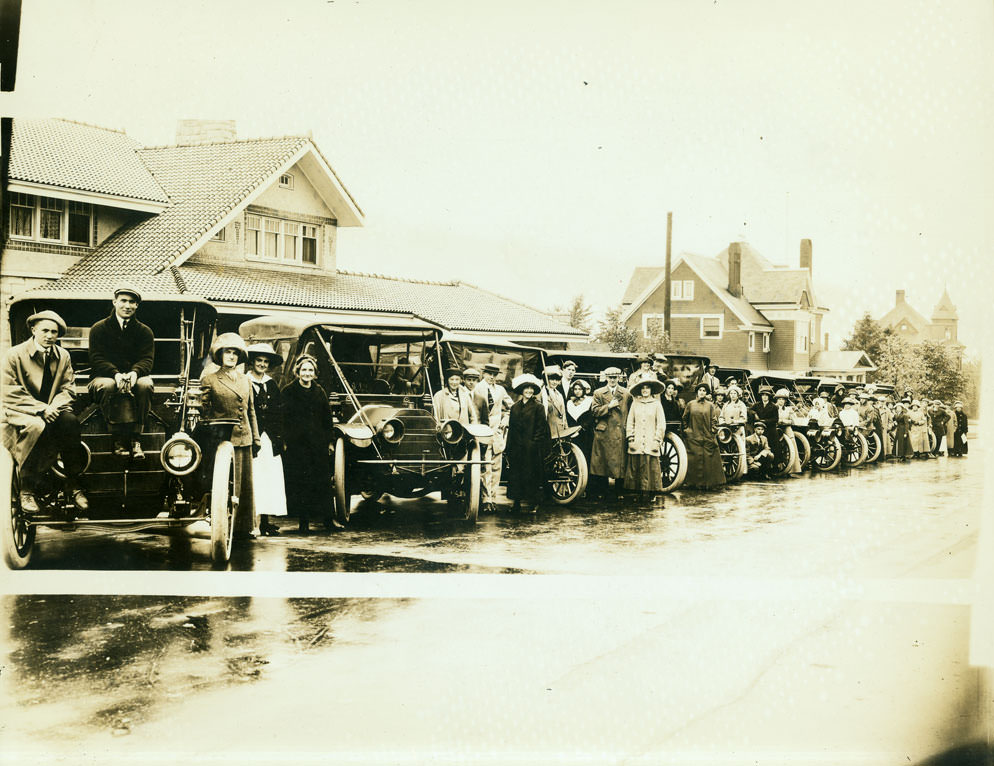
534	148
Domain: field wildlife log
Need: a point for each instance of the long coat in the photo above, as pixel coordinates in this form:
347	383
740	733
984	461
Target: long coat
886	424
555	411
700	423
919	430
113	350
608	451
646	427
673	409
21	424
527	438
268	410
902	438
580	415
458	406
225	397
950	427
308	427
959	435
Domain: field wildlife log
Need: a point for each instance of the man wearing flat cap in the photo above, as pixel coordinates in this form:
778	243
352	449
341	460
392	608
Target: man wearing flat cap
122	351
38	423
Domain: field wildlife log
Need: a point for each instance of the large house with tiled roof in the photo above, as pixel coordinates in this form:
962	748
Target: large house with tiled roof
737	308
250	225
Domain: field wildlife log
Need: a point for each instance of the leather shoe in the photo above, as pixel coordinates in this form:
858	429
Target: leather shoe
29	503
79	500
136	451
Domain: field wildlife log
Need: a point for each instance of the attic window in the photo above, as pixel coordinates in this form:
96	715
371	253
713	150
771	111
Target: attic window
286	181
682	290
219	237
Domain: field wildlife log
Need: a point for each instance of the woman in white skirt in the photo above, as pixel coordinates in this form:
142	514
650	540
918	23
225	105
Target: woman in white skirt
267	466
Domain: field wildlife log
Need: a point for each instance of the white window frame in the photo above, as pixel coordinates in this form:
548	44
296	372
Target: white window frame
219	236
285	231
682	290
752	341
645	322
36	208
766	343
721	326
286	181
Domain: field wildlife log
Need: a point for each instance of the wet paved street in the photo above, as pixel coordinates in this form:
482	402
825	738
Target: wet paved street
821	619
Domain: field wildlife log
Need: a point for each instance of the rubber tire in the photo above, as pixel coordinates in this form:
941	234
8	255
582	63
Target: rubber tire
582	476
932	440
803	448
473	474
223	508
837	459
792	453
18	545
343	498
876	448
674	449
740	466
864	449
743	457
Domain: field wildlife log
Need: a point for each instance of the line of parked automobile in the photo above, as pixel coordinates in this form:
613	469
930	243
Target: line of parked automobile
381	372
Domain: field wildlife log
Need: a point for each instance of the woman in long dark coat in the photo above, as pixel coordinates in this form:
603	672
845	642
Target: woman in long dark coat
307	434
267	465
578	414
902	432
700	424
959	435
527	439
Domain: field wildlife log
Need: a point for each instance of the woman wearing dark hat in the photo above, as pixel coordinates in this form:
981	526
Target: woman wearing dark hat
960	446
645	430
527	438
307	432
672	405
227	393
454	402
700	425
578	414
267	466
38	423
902	439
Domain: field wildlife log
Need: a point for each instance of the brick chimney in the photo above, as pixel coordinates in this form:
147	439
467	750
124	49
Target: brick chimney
735	269
900	298
806	255
204	131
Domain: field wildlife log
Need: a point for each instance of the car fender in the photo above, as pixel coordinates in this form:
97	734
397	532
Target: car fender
482	433
360	435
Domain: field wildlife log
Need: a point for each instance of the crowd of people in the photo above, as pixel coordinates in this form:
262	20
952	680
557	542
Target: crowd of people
282	434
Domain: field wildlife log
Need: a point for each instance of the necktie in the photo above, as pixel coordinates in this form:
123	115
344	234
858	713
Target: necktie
490	398
124	325
47	375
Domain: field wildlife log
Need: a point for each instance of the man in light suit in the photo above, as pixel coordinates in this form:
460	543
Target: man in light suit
553	401
38	423
494	407
710	379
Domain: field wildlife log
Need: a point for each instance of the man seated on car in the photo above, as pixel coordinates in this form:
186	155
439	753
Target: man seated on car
122	351
758	452
38	423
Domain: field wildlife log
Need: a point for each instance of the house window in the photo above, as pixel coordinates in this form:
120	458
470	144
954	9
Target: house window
652	324
309	253
252	234
710	327
286	181
272	238
766	342
22	210
57	220
752	341
219	237
682	290
291	235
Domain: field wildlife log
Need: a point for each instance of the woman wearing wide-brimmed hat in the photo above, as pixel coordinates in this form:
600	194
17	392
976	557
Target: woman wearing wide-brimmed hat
919	430
308	428
267	466
527	440
645	431
227	394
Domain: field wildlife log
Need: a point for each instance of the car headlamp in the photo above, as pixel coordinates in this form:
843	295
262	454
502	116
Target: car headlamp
452	431
180	455
391	431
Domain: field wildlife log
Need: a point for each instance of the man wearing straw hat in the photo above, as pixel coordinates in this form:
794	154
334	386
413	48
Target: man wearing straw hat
38	423
610	409
122	351
494	406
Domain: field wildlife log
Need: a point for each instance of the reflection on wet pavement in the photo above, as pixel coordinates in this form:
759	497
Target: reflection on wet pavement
862	508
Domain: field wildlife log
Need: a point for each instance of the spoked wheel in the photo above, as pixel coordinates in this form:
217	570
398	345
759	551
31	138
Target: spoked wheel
826	454
567	473
855	450
732	448
18	534
803	447
224	503
932	440
788	454
673	461
466	498
876	447
343	494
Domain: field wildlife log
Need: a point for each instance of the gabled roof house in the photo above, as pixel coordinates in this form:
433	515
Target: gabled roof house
249	224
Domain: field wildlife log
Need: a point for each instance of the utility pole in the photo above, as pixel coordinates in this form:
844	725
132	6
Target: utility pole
666	283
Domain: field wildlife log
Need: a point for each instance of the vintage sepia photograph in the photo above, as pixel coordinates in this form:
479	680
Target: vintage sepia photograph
455	382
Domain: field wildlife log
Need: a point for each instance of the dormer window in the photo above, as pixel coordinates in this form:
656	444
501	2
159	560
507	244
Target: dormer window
286	181
50	220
